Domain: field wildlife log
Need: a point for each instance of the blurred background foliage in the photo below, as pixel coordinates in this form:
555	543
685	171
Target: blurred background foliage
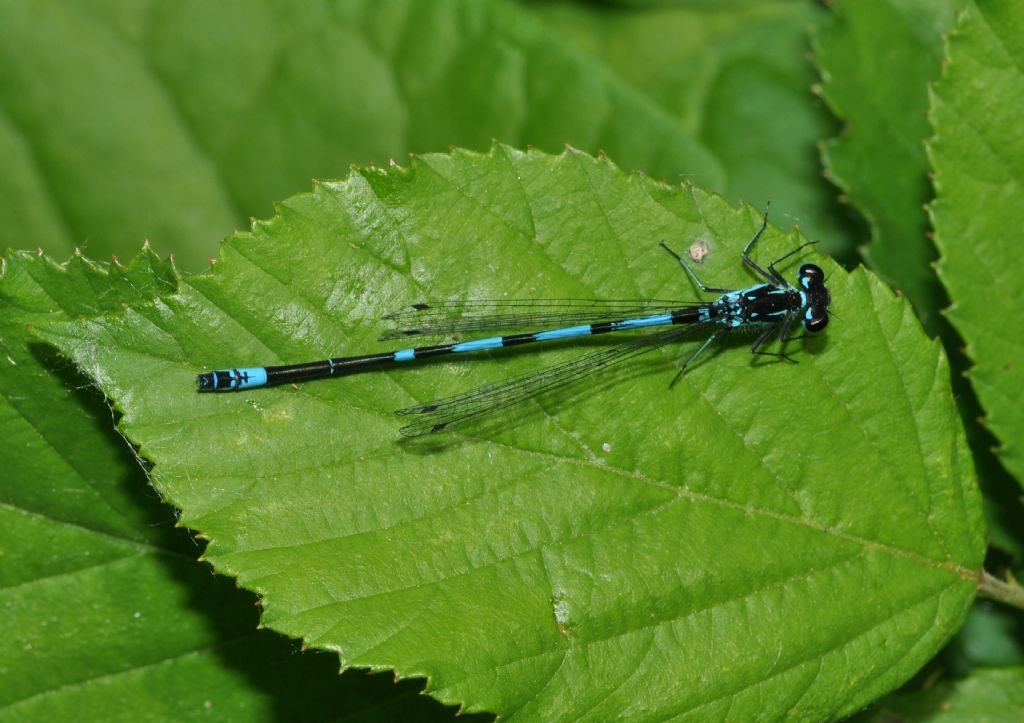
177	122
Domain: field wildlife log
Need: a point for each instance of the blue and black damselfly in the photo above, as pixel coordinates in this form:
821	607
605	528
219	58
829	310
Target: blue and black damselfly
770	307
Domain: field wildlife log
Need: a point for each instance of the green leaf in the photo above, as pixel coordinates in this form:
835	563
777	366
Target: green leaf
117	118
876	59
988	639
978	155
105	613
738	79
984	696
766	539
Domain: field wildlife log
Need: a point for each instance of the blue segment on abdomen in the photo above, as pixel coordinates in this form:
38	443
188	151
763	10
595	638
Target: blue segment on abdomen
643	321
405	355
493	342
252	377
566	333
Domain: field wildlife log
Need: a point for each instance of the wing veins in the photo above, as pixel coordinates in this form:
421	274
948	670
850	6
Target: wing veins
484	400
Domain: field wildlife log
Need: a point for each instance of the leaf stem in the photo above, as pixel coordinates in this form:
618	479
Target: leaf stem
1010	593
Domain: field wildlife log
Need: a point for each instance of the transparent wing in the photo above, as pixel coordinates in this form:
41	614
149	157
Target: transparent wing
439	415
447	317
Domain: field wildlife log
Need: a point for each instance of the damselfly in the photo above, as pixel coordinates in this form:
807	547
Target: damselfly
770	307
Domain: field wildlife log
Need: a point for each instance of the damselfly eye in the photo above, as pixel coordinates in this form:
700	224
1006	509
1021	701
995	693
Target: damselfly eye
811	275
816	323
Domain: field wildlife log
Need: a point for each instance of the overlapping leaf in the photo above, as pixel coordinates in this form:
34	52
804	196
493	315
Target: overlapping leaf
986	695
876	59
978	154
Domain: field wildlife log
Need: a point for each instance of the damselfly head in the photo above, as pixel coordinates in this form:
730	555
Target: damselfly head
812	279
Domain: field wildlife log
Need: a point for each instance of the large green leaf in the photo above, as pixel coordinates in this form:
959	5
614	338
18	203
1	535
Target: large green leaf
876	59
978	154
104	612
766	539
117	117
737	77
